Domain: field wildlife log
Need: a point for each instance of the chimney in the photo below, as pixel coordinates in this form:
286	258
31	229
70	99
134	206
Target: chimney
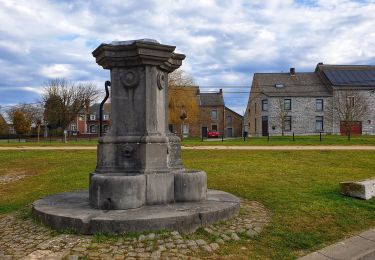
292	71
221	91
320	63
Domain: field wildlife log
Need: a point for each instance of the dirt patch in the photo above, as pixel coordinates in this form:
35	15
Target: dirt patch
5	179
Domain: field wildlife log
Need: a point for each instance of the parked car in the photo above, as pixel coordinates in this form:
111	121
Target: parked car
213	134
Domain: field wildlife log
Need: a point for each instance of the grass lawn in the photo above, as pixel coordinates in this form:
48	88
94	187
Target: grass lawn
273	140
285	140
300	188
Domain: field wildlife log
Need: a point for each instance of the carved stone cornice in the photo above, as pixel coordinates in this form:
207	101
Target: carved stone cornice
136	53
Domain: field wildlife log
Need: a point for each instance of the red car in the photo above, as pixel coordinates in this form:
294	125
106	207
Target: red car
213	134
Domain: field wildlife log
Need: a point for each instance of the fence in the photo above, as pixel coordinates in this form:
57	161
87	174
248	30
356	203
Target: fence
52	138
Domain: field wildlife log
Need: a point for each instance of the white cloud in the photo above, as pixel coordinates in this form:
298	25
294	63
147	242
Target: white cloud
225	41
57	71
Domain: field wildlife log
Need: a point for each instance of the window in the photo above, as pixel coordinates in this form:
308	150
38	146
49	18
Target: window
229	120
92	117
81	118
319	104
73	127
214	114
351	101
319	123
185	129
264	105
287	104
105	117
288	123
214	127
170	127
105	128
279	85
92	128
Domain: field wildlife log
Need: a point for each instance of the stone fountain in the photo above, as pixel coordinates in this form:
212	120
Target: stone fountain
139	183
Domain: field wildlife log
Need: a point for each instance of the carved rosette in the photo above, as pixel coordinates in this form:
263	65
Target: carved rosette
127	150
161	80
129	78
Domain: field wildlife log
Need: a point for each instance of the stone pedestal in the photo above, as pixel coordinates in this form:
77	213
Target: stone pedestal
139	160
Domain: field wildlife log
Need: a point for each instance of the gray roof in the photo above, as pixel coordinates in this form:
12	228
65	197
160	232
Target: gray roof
211	99
348	75
303	84
94	109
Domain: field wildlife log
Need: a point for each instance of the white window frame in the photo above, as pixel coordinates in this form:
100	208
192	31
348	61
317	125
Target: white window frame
92	117
73	127
319	120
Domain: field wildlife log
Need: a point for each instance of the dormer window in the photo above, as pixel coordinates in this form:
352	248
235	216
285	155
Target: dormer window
279	85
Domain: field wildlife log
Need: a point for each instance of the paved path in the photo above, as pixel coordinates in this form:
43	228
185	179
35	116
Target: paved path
27	240
358	247
219	147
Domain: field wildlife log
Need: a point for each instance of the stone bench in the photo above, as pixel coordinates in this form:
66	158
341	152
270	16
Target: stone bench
364	189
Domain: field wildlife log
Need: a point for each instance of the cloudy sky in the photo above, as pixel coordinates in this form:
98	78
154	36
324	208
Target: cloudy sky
225	41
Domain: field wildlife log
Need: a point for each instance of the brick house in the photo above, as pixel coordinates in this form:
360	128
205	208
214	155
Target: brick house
233	123
212	112
87	121
299	103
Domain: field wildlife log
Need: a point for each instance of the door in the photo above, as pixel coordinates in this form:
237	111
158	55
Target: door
264	125
355	127
229	132
204	131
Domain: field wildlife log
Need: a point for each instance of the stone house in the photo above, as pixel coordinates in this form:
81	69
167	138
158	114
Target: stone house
212	115
302	103
355	86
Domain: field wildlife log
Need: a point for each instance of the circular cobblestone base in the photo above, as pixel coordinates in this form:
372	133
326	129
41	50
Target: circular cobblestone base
28	240
72	211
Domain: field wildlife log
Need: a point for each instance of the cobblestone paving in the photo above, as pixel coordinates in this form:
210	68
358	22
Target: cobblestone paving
28	240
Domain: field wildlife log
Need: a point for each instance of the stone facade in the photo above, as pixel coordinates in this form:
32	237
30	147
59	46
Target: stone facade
303	116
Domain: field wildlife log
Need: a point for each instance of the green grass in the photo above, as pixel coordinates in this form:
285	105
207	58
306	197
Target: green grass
273	140
285	140
300	188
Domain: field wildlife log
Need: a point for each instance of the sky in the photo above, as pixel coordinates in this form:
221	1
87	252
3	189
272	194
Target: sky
225	42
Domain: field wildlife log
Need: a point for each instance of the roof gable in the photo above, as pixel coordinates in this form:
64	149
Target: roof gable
211	99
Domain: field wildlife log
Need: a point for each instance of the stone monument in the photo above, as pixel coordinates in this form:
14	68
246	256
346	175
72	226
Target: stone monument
139	183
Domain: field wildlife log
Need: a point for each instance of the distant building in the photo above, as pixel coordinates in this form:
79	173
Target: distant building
213	115
194	114
302	103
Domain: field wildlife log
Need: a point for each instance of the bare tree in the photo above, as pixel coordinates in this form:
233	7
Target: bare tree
33	112
281	113
347	107
3	126
180	78
63	99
